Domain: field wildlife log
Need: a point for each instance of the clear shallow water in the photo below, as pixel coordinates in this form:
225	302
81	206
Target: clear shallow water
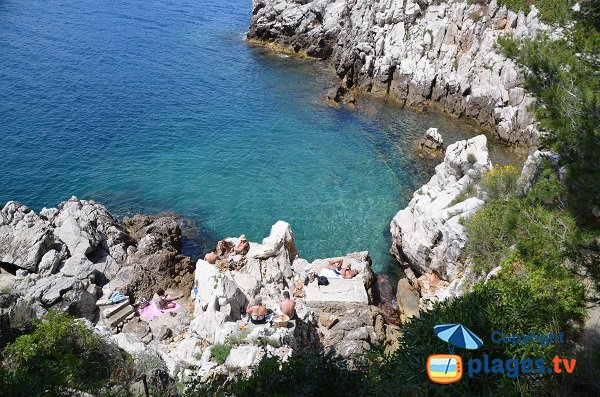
161	105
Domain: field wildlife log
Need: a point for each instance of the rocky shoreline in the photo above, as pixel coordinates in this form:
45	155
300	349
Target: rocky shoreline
73	257
418	52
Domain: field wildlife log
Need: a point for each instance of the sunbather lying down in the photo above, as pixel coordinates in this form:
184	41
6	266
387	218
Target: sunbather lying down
165	301
347	272
335	264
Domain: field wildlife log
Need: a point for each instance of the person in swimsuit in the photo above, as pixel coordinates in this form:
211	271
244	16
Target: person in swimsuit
348	272
288	306
336	265
211	257
165	301
242	247
257	312
224	248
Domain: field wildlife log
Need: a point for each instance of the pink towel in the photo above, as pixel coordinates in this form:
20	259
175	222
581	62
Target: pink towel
151	311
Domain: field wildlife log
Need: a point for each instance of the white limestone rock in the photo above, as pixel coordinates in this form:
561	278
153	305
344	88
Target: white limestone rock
243	357
24	237
428	234
415	51
219	301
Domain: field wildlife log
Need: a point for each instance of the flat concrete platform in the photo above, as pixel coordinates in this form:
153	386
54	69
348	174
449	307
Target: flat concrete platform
338	290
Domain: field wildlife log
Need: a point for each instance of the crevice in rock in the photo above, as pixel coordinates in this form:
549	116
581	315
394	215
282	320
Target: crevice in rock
9	268
431	87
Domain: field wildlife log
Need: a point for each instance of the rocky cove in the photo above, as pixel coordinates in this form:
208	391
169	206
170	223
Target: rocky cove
74	257
418	52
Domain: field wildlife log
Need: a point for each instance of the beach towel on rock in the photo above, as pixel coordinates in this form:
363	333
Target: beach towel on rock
151	311
329	273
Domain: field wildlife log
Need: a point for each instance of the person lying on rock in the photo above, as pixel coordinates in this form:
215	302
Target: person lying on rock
242	247
257	311
288	306
164	302
348	272
224	248
335	264
211	257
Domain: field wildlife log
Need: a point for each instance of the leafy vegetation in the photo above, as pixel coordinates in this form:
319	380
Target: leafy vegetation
564	79
220	352
60	354
306	373
551	11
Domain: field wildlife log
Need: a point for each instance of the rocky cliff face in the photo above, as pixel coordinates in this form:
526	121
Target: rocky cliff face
428	236
416	51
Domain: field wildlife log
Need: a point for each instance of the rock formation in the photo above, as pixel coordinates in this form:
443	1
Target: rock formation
416	51
428	236
67	258
432	143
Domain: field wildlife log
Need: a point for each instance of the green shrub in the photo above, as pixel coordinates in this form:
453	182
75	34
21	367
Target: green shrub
505	305
501	182
471	158
469	191
148	361
476	16
551	11
60	353
564	79
220	352
491	233
305	373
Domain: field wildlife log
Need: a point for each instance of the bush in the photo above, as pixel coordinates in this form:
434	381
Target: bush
306	373
501	182
220	352
148	361
506	305
563	77
551	11
60	353
491	233
236	338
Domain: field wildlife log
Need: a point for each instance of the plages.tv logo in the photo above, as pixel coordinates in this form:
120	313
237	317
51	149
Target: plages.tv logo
448	368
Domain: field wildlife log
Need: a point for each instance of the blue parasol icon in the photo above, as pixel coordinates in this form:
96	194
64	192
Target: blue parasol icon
458	335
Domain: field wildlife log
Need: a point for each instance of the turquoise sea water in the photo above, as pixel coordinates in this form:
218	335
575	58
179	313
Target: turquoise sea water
161	106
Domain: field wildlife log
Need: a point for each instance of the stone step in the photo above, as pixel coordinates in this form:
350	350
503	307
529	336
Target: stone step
109	311
121	315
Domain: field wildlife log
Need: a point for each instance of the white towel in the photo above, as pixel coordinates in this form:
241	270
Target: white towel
329	273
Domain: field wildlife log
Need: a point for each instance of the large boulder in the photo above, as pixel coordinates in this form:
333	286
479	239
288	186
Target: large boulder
24	237
243	357
432	143
219	301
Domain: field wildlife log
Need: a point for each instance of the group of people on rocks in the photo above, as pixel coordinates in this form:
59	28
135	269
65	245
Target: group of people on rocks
224	249
257	312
